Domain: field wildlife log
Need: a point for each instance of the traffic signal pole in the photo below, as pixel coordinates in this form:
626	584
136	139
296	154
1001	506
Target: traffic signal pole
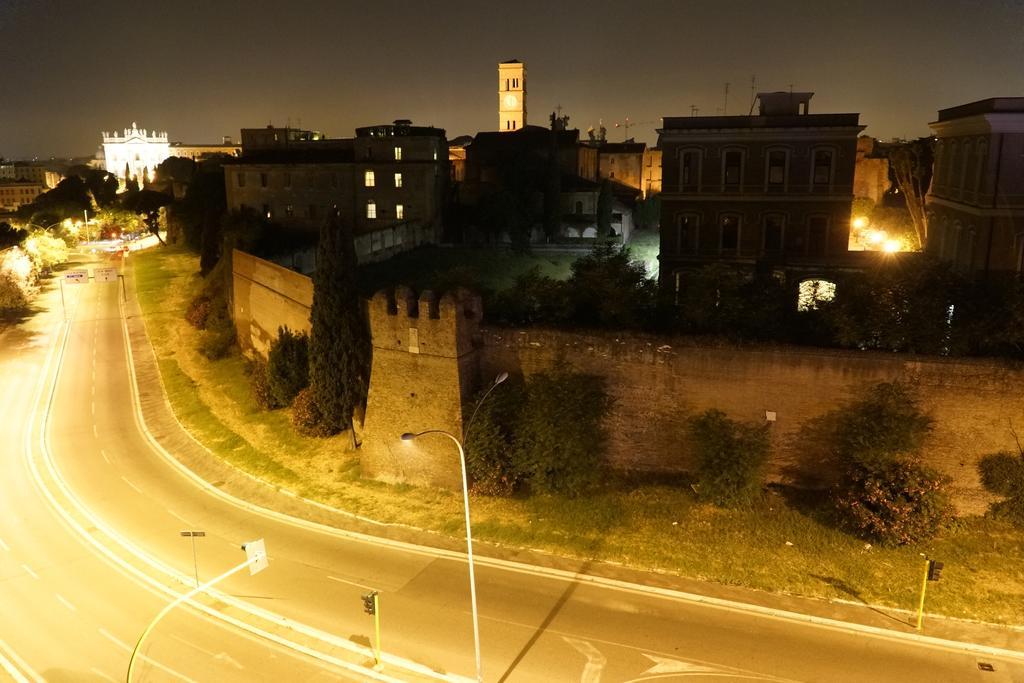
376	626
924	589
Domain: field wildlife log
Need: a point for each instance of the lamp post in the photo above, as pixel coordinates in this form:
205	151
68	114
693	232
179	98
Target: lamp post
408	437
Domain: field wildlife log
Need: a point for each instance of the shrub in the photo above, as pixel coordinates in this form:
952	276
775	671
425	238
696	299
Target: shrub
730	457
216	342
896	503
17	275
288	365
1003	474
560	440
307	417
885	425
260	387
198	311
490	447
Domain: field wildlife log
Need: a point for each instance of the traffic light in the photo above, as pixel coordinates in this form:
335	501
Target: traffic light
370	602
934	570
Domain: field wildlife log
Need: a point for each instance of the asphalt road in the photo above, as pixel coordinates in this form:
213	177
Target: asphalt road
90	522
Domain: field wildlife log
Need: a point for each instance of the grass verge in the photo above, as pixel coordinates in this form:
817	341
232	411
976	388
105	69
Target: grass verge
781	544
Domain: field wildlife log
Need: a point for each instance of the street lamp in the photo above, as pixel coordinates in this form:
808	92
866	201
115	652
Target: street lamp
408	437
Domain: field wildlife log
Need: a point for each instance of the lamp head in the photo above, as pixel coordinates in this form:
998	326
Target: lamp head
500	378
408	436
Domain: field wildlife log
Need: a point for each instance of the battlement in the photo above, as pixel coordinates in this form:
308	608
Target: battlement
447	326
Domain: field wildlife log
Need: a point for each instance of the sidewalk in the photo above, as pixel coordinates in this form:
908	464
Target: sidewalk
165	428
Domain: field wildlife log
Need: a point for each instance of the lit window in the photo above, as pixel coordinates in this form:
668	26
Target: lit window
289	210
813	292
368	180
398	180
371	209
398	153
399	211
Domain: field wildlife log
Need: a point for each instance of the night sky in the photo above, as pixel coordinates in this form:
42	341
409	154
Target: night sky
201	70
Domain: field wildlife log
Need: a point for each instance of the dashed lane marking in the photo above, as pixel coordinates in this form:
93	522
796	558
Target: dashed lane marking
104	454
64	601
124	646
102	675
132	485
4	546
28	570
351	583
187	523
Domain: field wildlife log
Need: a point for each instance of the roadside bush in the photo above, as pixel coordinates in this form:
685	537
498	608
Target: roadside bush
215	342
887	494
17	276
731	457
260	387
287	369
198	311
45	250
490	446
560	440
896	503
307	418
1003	474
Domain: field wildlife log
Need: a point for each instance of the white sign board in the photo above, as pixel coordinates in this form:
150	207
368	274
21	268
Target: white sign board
104	274
76	277
256	552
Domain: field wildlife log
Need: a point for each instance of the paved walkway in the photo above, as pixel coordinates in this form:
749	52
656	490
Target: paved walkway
175	439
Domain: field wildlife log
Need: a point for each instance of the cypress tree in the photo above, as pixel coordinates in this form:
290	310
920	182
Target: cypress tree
339	348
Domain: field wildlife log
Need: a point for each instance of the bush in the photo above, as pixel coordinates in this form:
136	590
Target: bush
17	276
730	457
260	387
1003	474
897	503
287	365
216	342
560	440
307	418
886	424
490	447
198	312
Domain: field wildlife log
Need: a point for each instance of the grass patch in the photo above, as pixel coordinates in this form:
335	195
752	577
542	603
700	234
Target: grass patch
648	523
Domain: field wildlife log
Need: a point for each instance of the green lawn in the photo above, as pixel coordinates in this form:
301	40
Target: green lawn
777	545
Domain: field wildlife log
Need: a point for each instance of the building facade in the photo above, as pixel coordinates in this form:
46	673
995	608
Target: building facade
29	173
652	172
201	152
773	189
975	203
388	181
14	193
135	154
511	96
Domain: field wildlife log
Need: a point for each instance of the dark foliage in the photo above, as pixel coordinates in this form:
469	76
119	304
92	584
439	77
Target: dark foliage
1003	474
307	418
288	365
604	210
198	311
259	387
339	353
731	457
490	441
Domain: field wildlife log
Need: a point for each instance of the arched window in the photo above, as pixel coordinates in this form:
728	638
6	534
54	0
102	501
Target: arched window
728	233
579	208
811	293
687	237
772	233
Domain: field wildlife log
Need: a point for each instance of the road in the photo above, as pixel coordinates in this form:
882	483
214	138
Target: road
90	550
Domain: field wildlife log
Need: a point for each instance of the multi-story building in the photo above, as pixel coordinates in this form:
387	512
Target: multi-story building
135	154
30	173
14	193
773	189
652	172
388	181
975	204
201	152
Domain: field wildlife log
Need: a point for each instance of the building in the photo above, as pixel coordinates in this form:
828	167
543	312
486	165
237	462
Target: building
622	162
201	152
273	137
135	154
511	96
14	193
652	172
871	172
389	182
975	204
772	189
30	173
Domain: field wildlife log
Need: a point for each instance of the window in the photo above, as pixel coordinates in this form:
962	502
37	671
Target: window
729	234
822	167
334	180
399	211
267	213
771	240
263	179
686	234
689	170
368	179
312	210
777	167
579	208
241	178
732	168
398	180
289	210
398	153
813	292
817	235
287	179
371	209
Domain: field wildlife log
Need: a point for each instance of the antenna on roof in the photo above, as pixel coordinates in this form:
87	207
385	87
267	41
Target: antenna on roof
725	105
753	94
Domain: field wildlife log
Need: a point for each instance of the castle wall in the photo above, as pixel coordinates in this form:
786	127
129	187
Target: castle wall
264	297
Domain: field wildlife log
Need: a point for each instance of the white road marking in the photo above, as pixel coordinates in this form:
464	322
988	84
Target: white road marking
64	602
132	485
124	646
595	660
351	583
187	523
95	432
114	639
104	454
94	408
28	570
102	675
3	545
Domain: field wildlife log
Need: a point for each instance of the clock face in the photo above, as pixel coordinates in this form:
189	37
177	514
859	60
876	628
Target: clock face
511	101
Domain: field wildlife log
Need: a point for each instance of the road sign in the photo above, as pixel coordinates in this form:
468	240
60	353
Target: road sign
76	277
193	534
104	274
256	552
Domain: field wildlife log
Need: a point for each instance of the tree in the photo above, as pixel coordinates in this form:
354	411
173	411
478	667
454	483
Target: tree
288	365
17	280
178	169
731	457
911	164
604	210
609	289
147	203
339	353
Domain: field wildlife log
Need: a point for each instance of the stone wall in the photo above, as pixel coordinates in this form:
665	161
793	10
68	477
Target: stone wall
658	382
265	296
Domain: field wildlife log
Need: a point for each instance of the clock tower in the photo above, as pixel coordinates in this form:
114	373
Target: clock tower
511	95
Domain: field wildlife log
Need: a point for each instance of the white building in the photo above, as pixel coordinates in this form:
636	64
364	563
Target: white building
135	154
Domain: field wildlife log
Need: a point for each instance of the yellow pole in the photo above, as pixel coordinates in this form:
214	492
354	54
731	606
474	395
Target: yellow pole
376	621
924	588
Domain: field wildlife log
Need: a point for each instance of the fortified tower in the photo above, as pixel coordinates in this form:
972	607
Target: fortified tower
511	95
425	366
